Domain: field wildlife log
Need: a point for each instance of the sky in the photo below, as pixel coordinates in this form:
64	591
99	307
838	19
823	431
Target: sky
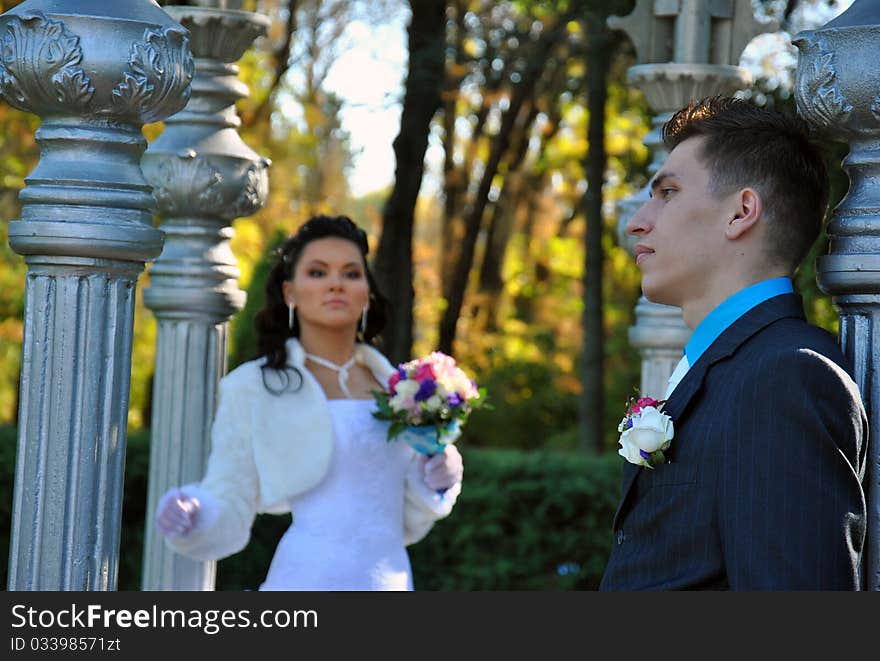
370	77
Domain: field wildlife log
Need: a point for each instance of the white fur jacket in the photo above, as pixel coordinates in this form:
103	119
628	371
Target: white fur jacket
255	467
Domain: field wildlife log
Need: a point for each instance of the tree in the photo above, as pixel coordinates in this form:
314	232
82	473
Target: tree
592	416
393	263
531	61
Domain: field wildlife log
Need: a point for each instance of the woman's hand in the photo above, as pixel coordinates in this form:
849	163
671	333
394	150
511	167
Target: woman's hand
443	470
176	513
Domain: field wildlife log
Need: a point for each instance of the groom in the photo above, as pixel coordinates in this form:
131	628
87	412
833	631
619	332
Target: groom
761	486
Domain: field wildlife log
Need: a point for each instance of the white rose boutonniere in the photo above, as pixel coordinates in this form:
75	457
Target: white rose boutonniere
645	432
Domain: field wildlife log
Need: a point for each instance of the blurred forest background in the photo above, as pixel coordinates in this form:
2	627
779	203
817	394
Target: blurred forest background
532	137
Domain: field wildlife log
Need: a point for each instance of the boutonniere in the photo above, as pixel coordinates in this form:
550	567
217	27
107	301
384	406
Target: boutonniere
645	432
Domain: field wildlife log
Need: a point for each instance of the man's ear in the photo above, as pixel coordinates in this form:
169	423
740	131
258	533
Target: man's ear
748	209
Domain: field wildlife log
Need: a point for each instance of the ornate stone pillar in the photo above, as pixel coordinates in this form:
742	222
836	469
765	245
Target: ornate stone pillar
94	72
837	90
204	176
686	50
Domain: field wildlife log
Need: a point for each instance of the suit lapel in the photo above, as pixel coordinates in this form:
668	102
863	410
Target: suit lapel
753	321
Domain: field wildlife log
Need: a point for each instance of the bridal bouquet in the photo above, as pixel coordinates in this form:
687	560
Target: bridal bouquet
427	402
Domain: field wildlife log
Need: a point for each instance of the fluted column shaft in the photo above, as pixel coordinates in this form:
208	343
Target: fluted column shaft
837	89
660	335
72	425
94	74
859	325
190	360
204	176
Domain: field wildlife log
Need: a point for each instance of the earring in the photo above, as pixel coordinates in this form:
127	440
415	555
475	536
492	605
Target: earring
290	308
364	320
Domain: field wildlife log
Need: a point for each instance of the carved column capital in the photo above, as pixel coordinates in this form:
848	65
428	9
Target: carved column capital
211	185
223	34
95	72
68	64
837	91
203	174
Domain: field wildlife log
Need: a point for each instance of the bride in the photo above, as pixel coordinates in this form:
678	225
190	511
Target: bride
294	431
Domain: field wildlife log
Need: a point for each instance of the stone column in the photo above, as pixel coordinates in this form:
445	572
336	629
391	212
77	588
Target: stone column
686	50
837	90
204	176
95	72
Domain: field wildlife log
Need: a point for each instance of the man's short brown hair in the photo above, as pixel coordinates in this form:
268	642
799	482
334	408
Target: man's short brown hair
746	146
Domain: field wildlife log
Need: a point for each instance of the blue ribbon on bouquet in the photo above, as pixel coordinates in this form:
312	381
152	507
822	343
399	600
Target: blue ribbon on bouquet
424	439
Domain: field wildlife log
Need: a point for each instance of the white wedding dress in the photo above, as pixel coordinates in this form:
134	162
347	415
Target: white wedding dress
347	533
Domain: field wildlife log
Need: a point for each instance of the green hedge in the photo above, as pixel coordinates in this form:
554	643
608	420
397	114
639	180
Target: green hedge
536	520
525	521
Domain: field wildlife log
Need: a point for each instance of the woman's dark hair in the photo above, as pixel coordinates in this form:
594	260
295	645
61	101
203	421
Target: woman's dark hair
272	320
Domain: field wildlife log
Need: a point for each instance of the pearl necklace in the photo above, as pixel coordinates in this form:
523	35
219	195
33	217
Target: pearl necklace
341	369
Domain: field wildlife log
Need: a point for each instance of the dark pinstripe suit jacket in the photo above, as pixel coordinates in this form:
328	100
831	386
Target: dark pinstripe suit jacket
763	485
